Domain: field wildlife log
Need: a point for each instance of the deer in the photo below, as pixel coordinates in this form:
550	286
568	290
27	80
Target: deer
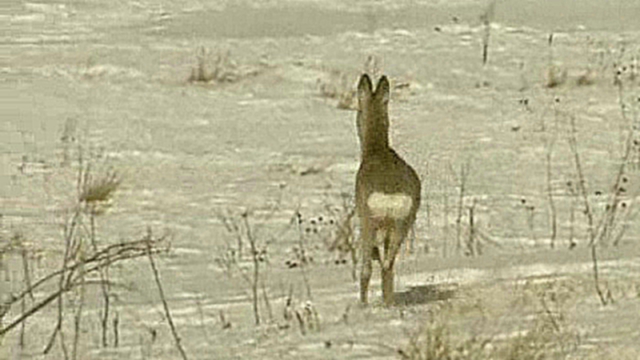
387	189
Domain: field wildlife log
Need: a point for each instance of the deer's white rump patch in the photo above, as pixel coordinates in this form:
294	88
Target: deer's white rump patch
395	206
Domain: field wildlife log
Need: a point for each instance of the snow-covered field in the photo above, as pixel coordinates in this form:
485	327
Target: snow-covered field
267	136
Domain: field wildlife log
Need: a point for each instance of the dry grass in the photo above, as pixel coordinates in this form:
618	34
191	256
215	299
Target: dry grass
587	78
556	77
100	189
220	68
499	323
338	85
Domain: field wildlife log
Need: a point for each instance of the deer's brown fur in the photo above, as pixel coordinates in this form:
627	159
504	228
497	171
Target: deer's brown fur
387	188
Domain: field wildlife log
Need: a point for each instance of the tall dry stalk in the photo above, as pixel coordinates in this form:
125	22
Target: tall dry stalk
304	260
461	179
486	18
256	267
602	231
550	141
243	230
588	211
156	277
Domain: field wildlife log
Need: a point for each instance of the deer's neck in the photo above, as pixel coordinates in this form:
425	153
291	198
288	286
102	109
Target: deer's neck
376	140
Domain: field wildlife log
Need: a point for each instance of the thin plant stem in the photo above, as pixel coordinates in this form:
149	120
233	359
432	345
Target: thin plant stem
156	277
573	143
256	268
303	261
78	315
104	286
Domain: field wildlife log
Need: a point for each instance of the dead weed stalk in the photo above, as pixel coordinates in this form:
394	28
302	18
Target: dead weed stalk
156	276
220	69
609	222
241	228
94	194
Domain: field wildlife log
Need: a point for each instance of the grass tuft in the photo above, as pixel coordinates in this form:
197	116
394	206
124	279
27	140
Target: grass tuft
555	77
101	189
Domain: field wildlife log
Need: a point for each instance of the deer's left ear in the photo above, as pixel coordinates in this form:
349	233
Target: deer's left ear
365	89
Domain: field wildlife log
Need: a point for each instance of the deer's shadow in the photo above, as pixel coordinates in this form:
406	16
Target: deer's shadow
423	294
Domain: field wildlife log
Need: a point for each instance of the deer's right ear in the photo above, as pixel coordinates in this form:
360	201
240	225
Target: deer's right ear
382	91
365	88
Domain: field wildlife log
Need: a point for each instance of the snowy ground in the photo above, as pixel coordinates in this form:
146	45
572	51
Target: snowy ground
269	139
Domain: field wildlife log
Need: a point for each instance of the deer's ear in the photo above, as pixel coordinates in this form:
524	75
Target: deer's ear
382	90
365	88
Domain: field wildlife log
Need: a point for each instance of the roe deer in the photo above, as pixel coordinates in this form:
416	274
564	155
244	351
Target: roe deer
387	188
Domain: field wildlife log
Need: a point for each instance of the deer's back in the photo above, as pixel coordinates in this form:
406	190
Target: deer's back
385	175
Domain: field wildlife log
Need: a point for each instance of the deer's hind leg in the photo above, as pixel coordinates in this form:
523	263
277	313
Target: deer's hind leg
393	241
368	236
